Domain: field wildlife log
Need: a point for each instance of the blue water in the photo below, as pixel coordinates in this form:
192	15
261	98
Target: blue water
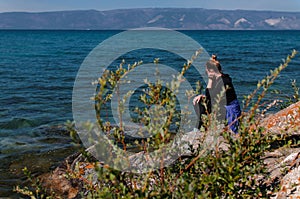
38	70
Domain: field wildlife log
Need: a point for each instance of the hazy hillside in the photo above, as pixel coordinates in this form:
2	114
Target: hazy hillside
175	18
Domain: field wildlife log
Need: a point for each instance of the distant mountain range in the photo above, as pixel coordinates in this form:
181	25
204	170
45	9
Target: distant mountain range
173	18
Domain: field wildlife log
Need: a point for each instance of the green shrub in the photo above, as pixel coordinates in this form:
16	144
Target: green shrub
233	168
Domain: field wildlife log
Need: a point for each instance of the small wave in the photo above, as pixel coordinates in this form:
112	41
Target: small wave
47	130
13	99
17	123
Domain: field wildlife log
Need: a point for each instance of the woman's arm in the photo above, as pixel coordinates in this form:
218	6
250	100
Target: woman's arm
209	86
209	83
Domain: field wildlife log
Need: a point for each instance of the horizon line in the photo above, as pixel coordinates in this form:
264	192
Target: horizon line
106	10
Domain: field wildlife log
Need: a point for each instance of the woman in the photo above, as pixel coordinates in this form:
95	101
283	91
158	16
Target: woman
218	93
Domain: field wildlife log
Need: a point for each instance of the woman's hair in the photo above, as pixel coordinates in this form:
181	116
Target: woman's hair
214	57
214	64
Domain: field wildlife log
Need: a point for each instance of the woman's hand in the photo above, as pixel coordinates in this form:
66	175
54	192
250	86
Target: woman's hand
198	98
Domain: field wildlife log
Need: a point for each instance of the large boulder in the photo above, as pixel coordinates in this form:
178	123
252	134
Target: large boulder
283	163
284	121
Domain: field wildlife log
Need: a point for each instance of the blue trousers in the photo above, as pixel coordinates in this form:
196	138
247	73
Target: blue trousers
233	112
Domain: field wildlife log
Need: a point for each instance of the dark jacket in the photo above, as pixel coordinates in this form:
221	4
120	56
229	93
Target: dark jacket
221	94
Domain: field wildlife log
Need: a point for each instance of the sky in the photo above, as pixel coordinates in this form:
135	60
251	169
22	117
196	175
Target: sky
58	5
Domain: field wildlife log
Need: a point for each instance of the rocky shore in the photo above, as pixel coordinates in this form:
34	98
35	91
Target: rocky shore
283	163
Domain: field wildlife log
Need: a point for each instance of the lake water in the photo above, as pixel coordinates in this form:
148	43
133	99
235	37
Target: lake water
38	70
